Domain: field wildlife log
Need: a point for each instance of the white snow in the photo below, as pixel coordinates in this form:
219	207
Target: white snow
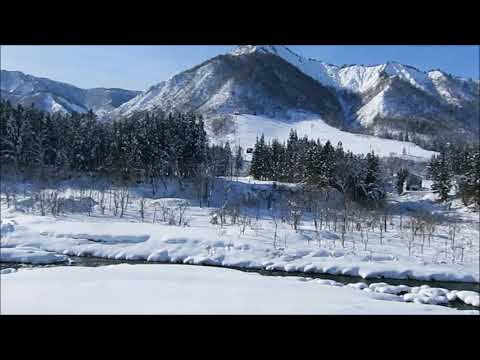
355	78
361	78
415	77
364	78
30	238
201	242
30	255
52	106
172	92
428	295
328	282
358	286
469	297
181	289
249	127
451	91
375	107
7	271
6	226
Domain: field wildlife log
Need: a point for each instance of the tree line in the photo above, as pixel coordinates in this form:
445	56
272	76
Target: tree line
302	160
456	168
145	147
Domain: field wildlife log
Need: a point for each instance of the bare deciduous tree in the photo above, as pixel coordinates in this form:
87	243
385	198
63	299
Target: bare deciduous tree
141	206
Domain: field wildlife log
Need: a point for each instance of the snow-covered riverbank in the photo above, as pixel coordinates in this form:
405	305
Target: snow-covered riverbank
179	289
257	239
203	243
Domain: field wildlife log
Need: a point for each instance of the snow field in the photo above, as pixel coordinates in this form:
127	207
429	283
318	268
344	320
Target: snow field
34	239
30	255
179	289
249	127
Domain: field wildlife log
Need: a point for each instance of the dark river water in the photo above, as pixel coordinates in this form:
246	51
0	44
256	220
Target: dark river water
94	262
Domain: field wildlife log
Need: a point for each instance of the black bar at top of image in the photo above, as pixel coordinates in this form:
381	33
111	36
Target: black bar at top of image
377	26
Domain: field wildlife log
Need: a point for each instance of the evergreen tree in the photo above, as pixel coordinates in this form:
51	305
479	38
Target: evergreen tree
327	163
277	160
469	179
145	146
292	158
314	175
439	171
238	161
401	177
373	187
228	160
259	160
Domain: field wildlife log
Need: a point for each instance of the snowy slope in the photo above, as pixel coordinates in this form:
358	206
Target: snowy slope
357	78
433	96
318	70
258	83
248	127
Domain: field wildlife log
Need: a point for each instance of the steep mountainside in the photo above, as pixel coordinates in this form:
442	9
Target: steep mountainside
391	99
53	96
258	83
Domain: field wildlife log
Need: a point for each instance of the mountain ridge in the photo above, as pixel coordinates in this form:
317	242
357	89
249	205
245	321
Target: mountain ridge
390	100
52	96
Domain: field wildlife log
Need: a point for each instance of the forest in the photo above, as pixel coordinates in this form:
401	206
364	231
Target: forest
317	166
149	147
152	147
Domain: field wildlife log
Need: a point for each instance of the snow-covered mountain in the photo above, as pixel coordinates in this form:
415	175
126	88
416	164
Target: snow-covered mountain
389	100
360	78
54	96
386	99
260	83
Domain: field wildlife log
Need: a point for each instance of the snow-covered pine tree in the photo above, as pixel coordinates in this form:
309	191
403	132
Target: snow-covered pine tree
228	160
439	171
238	161
469	179
400	181
277	160
292	157
314	175
259	161
327	160
373	181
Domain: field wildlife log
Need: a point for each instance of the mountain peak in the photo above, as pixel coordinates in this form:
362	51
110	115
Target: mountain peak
272	49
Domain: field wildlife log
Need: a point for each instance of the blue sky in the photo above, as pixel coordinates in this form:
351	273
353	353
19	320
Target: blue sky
139	67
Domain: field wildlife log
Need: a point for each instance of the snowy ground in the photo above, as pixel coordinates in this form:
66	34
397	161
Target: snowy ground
203	243
30	255
179	289
30	238
248	127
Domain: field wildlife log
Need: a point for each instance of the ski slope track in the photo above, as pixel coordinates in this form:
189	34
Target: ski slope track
248	127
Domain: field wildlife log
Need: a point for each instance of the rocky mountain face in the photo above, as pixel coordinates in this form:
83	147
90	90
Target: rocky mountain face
260	83
391	100
54	96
